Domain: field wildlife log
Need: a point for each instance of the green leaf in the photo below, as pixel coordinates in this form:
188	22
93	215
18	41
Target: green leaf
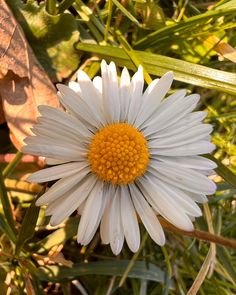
158	65
28	226
140	270
52	37
7	208
174	30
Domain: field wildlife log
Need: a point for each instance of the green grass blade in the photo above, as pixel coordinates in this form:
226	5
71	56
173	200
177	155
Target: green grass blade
28	226
126	12
112	268
225	260
12	165
6	229
158	65
6	204
165	33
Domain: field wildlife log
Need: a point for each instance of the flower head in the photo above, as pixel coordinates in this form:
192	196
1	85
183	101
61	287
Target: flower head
120	152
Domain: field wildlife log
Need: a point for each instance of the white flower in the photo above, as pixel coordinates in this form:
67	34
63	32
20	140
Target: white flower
118	152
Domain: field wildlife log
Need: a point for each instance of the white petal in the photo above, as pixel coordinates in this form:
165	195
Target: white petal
50	132
136	87
170	111
182	199
110	92
52	207
53	151
161	201
193	162
91	215
54	141
105	222
75	87
116	233
51	161
182	125
63	118
73	201
147	216
97	82
197	197
90	94
183	178
191	149
61	187
57	172
125	94
152	97
77	106
129	220
193	134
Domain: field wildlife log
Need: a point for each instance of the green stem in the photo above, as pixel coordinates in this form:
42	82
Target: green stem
64	5
12	165
51	7
133	56
6	204
108	20
132	261
167	260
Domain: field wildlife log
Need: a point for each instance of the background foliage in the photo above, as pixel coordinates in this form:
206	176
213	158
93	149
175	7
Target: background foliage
195	39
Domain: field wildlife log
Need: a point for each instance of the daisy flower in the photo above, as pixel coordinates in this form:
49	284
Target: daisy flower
120	152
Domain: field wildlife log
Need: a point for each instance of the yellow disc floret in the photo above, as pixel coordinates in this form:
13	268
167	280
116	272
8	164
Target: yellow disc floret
118	153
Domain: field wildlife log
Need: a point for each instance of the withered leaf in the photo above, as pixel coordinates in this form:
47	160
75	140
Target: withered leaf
2	118
23	83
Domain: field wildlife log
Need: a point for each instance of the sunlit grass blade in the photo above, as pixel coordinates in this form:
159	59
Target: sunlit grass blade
158	65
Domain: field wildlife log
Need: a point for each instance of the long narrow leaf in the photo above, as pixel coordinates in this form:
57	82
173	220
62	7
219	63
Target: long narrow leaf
6	204
6	229
139	270
159	36
28	225
158	65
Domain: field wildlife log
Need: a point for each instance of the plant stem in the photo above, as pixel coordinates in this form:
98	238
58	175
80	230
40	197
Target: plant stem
201	235
64	5
132	261
12	165
109	16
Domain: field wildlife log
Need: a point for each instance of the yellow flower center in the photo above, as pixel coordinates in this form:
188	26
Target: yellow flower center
118	153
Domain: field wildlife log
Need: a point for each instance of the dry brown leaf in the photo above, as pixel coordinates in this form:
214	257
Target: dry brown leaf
2	118
23	83
221	48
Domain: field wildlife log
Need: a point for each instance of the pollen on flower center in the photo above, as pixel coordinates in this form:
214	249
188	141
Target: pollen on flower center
118	153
